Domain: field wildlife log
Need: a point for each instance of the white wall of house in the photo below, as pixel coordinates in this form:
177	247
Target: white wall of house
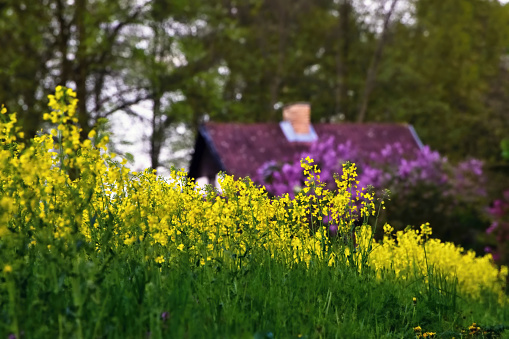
202	181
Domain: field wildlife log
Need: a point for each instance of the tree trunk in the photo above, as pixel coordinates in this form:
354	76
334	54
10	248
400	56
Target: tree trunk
373	67
63	40
81	69
341	97
155	138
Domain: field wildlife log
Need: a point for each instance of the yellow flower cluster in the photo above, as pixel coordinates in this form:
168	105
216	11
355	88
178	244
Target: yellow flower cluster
411	250
9	131
419	334
61	190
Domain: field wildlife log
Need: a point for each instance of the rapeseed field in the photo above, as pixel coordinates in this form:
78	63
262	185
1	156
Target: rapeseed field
90	249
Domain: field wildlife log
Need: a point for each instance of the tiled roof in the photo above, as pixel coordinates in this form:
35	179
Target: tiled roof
243	148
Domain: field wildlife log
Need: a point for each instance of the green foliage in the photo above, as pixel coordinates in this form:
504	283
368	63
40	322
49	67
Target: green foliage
504	145
443	67
50	43
274	57
23	60
442	70
121	294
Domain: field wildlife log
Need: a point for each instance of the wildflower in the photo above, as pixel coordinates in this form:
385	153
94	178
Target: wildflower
414	300
474	329
388	229
7	269
417	329
425	229
165	316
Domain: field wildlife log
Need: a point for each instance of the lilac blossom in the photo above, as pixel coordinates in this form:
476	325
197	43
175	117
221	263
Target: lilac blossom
499	229
423	183
394	165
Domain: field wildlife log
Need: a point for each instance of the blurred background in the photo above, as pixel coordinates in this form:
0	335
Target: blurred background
149	72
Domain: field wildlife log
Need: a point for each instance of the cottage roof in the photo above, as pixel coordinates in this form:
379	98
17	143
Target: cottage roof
240	149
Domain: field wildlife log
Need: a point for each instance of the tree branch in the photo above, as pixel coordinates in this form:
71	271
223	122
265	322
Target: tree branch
125	105
373	67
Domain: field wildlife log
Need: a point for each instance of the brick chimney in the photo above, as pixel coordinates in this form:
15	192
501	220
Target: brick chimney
299	115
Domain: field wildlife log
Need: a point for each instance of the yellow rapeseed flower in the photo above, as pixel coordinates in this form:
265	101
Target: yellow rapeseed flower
7	269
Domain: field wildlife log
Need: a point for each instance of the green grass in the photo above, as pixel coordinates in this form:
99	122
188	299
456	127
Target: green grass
120	295
120	255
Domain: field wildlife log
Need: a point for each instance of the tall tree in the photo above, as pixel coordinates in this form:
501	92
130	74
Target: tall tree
439	72
375	61
24	59
76	44
282	51
176	61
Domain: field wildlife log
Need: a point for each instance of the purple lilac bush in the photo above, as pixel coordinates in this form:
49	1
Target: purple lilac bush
425	186
498	231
